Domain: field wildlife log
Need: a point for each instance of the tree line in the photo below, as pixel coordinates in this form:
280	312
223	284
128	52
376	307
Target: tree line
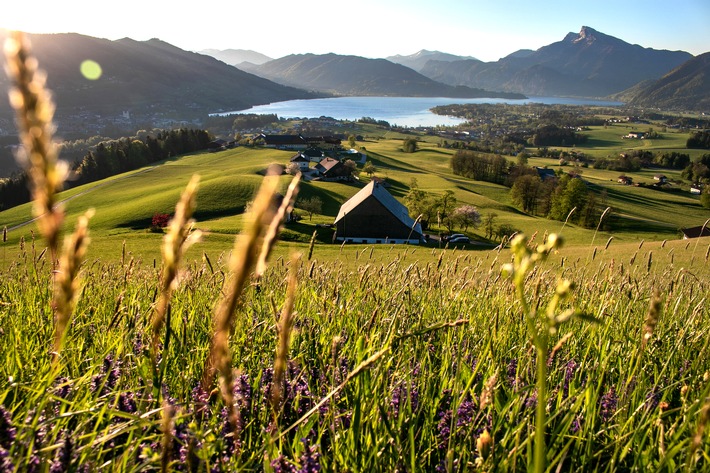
108	158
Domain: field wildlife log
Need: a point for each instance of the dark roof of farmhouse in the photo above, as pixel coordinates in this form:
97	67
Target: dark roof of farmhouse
326	164
284	139
696	232
385	198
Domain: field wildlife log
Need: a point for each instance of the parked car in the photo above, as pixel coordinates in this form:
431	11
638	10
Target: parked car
452	236
459	239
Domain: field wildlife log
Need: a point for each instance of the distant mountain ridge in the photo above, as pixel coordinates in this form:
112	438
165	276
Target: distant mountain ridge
418	60
144	76
685	88
235	57
586	64
355	75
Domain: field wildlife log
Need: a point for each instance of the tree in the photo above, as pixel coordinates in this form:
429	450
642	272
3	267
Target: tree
488	224
351	141
369	169
467	216
311	205
445	206
420	203
410	145
525	191
293	169
705	198
570	194
351	166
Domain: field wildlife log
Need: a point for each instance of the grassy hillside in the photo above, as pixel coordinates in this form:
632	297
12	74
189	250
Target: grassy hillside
125	204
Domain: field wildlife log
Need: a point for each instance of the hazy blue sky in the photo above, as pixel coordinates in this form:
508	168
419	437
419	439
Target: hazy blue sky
486	30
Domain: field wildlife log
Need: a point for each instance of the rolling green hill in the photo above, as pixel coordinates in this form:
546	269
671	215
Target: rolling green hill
125	204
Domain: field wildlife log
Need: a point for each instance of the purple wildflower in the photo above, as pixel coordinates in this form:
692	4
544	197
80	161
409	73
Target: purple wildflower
127	403
465	412
62	460
7	431
400	396
576	425
281	464
570	370
531	400
62	388
512	372
608	404
5	461
310	460
106	380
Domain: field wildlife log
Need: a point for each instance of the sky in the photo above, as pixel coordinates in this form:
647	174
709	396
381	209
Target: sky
484	29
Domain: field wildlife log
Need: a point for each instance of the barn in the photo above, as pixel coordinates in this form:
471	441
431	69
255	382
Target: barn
373	215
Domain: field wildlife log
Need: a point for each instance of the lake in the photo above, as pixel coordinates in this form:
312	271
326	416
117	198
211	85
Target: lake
401	111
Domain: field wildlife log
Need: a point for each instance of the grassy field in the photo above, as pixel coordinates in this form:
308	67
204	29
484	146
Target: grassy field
354	358
125	204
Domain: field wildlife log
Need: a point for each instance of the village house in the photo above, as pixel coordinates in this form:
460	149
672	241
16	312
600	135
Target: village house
695	190
545	173
626	180
660	178
373	215
695	232
314	154
330	169
301	160
292	142
635	135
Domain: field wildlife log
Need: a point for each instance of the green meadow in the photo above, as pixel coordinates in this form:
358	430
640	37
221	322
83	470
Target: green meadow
589	356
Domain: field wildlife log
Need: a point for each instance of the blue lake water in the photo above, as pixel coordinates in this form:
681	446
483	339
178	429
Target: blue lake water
402	111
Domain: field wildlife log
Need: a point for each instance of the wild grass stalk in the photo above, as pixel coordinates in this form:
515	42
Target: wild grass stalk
66	283
177	240
34	112
244	258
284	328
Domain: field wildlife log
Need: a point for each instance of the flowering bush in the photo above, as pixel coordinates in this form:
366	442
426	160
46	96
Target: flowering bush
159	222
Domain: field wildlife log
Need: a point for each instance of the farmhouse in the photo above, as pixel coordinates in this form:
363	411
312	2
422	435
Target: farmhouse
695	232
314	154
331	169
635	135
626	180
545	173
302	161
660	178
373	215
695	190
294	142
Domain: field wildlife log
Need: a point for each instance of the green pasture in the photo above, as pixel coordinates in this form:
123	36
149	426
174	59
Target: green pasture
125	204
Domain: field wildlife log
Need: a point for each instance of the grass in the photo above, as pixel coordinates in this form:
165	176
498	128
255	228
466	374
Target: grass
352	358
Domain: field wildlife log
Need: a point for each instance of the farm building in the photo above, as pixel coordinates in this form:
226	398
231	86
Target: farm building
695	232
294	142
301	160
373	215
331	169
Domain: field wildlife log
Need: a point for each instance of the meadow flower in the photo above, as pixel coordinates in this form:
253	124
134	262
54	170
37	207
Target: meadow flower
7	431
63	458
310	459
5	461
608	404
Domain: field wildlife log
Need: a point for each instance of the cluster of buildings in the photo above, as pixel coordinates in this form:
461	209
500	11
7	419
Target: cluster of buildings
317	157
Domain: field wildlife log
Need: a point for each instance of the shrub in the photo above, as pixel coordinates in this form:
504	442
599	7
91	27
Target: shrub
159	221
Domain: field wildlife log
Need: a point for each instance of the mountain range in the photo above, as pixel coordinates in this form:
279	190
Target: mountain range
685	87
584	64
354	75
153	77
144	76
418	60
